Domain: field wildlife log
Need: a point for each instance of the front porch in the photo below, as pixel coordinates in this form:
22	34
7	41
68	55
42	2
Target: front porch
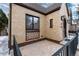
48	47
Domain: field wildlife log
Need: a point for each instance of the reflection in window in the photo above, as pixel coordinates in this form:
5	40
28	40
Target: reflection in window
29	22
73	12
32	23
36	23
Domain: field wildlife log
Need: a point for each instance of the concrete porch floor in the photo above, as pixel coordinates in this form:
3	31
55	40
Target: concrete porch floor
40	48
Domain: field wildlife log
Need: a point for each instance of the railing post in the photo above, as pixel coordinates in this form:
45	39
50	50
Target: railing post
16	49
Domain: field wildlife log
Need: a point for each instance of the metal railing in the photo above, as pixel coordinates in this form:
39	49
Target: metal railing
68	49
16	50
59	52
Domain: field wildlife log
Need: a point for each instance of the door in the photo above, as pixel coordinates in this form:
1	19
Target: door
64	26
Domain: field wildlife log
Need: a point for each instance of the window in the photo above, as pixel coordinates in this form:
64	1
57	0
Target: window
51	23
73	12
32	23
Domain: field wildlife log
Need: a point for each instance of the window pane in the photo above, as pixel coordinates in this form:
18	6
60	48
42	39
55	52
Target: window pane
36	23
29	22
73	12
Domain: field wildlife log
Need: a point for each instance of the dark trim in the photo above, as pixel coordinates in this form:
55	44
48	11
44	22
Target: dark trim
10	24
32	39
33	15
67	9
64	22
72	31
29	42
31	31
25	29
20	4
58	8
58	42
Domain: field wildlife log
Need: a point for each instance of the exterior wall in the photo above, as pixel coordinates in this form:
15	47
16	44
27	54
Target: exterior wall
18	22
56	33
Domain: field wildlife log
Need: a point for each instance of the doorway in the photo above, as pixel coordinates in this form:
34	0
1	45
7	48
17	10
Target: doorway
64	26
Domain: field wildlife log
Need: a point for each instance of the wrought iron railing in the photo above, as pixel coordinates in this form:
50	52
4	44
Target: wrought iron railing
59	52
16	50
68	49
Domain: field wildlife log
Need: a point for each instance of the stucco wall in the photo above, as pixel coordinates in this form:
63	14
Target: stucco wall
56	33
18	22
63	11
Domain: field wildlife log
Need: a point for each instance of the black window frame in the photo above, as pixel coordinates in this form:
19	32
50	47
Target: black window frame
32	30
